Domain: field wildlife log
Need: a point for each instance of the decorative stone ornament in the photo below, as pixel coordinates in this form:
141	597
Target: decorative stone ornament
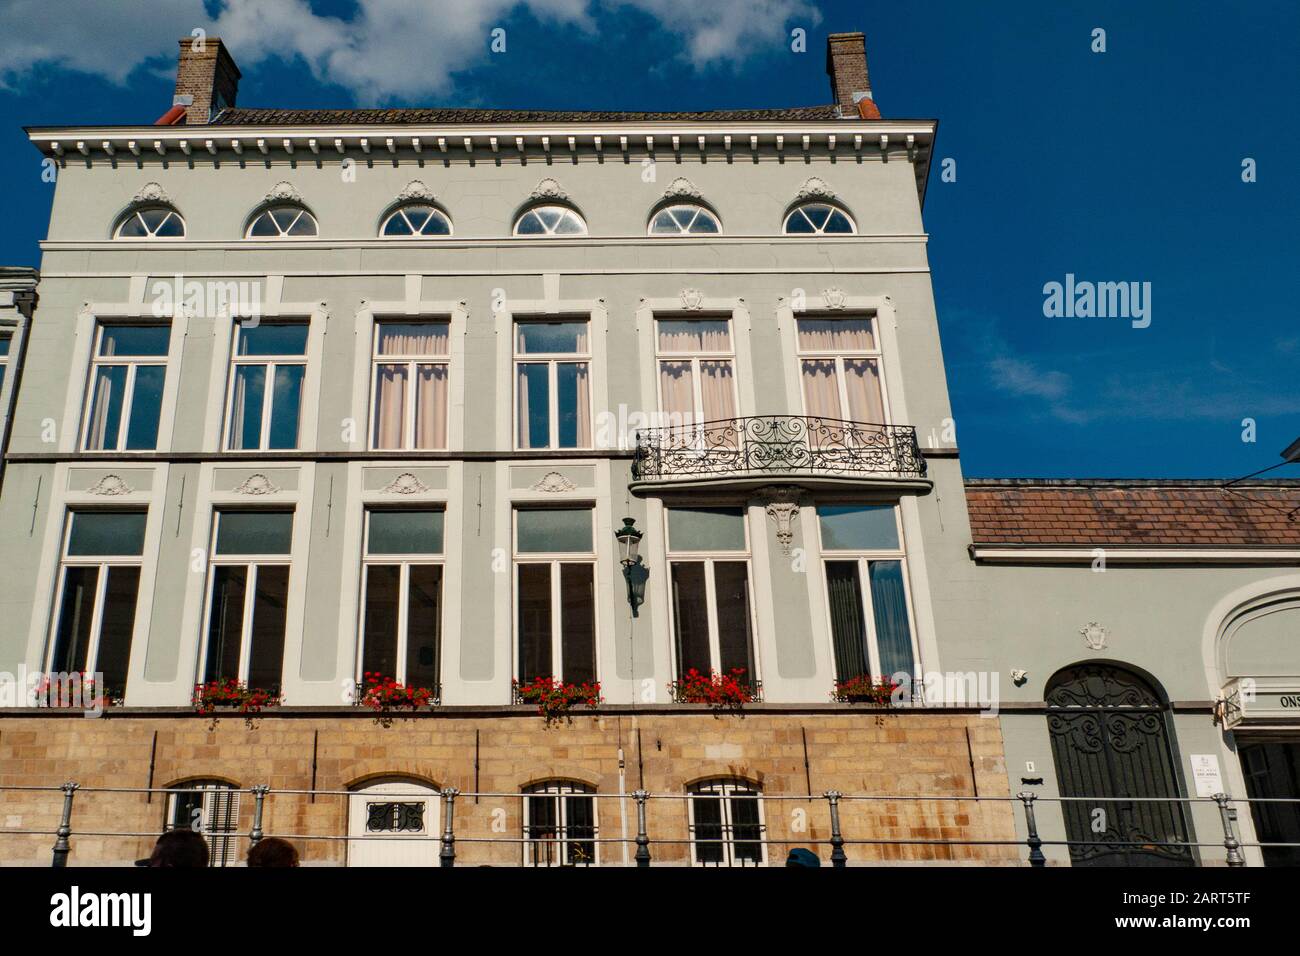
554	483
783	509
415	191
1094	635
1019	676
835	298
692	300
815	188
681	187
284	192
405	484
110	486
256	485
549	189
151	193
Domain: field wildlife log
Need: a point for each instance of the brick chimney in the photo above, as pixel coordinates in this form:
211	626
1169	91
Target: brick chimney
206	79
846	65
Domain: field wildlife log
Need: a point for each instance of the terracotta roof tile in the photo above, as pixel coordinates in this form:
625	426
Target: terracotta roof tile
1136	513
242	116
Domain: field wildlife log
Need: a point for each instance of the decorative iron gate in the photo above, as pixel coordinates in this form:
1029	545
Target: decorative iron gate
1110	738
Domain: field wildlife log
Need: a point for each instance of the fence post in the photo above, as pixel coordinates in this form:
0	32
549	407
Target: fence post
259	797
1230	842
1035	845
642	838
448	855
61	847
837	839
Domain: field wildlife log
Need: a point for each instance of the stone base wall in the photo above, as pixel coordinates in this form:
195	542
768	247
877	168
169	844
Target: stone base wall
852	751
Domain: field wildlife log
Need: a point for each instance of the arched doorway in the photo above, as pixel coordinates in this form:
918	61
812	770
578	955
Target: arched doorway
393	822
1110	739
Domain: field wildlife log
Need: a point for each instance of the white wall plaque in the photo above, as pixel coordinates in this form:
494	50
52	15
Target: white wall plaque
1205	771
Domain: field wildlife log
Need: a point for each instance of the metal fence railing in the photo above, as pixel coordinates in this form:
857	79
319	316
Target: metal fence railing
703	839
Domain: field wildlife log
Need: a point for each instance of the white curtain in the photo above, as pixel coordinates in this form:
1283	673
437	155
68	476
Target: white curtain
390	406
431	406
862	384
430	338
584	404
836	335
97	436
694	336
677	392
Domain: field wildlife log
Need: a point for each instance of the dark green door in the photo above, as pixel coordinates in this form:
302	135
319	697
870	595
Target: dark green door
1272	770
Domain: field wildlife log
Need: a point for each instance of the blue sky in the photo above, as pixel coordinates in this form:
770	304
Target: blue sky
1117	166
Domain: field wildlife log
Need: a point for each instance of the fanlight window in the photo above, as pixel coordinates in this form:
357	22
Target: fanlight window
817	218
278	222
684	220
550	221
152	222
416	219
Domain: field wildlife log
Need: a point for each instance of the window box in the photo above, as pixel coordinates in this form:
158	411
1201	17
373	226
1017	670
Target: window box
385	694
75	690
720	690
865	689
234	695
554	698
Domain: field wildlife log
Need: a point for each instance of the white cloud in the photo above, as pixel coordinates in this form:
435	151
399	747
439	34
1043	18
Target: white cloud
390	49
1021	377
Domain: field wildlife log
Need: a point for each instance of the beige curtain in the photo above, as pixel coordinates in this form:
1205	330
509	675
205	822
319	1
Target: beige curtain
694	335
97	437
390	406
718	390
836	335
584	404
677	392
431	406
521	389
862	383
430	338
821	390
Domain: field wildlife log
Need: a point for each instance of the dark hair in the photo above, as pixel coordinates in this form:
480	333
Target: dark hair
182	847
272	851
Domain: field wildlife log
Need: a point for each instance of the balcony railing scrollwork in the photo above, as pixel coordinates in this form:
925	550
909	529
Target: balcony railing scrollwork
771	445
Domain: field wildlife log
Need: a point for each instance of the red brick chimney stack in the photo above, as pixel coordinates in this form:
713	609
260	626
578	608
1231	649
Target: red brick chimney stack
207	79
846	65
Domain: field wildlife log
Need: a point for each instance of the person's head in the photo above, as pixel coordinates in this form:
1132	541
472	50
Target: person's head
800	856
272	851
180	848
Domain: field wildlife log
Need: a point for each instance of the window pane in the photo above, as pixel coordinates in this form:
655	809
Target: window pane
862	384
706	529
534	406
226	623
577	623
836	335
146	406
412	338
285	217
889	601
266	654
546	530
544	337
246	407
133	228
173	227
858	527
708	829
285	406
304	226
271	338
106	533
719	394
817	214
264	225
379	647
76	611
424	626
839	223
397	225
664	224
694	335
132	340
731	584
254	532
543	826
798	223
431	406
691	617
569	225
573	395
530	225
390	406
745	829
848	626
405	532
677	391
106	407
580	830
5	339
114	656
534	622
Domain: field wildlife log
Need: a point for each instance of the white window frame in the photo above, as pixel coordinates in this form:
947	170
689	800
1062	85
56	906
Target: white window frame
864	557
412	361
700	210
709	558
7	334
696	358
103	563
222	841
555	559
724	790
283	233
405	562
271	363
555	850
550	233
838	357
253	562
552	360
98	361
421	234
785	223
151	235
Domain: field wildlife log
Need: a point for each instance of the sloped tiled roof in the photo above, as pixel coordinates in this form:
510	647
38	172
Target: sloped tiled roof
1200	514
241	116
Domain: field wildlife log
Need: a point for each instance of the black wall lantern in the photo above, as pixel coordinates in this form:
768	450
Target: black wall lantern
634	570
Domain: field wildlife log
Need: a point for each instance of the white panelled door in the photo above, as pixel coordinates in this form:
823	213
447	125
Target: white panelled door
393	823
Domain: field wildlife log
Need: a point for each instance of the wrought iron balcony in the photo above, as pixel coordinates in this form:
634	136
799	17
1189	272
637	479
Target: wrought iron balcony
777	446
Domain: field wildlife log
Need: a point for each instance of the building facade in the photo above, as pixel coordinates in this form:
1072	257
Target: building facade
323	396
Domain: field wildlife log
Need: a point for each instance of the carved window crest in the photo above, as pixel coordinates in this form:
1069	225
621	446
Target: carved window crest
256	485
110	486
406	484
554	483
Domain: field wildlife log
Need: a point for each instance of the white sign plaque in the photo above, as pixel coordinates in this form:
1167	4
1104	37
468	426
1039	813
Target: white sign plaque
1205	771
